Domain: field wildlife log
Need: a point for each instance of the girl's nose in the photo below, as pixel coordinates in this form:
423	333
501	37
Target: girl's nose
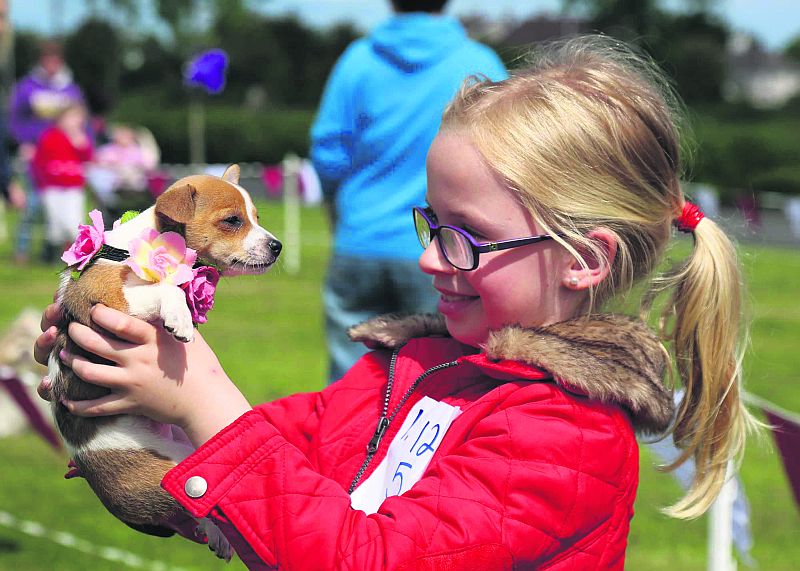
432	260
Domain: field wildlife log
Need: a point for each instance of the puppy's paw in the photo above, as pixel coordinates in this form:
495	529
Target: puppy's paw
216	541
178	321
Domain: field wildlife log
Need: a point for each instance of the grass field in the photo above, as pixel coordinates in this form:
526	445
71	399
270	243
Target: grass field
267	331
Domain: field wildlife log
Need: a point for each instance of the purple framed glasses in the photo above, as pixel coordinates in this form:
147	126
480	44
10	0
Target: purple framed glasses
458	247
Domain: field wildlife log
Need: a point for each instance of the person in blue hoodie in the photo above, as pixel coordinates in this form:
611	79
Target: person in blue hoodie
380	111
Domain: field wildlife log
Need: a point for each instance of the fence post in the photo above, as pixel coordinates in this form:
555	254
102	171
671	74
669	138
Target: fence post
197	131
720	528
291	213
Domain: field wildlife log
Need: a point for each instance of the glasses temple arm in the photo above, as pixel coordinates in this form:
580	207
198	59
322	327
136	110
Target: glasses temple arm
506	244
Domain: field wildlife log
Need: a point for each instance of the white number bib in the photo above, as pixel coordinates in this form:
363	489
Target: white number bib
409	454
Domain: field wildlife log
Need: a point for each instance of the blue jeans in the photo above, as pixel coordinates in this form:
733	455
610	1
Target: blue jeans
31	215
357	289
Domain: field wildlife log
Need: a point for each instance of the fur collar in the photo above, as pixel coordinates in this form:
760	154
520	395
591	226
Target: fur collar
611	358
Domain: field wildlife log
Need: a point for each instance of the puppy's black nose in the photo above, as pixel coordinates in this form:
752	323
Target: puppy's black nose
275	246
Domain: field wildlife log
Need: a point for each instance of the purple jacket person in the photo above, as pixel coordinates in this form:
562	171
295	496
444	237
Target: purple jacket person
36	101
39	97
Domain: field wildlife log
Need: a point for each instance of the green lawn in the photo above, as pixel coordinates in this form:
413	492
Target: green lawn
268	333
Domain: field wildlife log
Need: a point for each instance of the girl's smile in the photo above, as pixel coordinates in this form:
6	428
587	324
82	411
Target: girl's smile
451	304
521	286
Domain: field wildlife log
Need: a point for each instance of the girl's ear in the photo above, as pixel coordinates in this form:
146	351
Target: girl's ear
599	261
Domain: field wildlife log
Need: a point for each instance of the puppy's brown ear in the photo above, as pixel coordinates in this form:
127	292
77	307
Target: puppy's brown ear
231	174
176	205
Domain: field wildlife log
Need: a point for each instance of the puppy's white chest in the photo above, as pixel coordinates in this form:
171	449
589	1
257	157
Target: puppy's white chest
144	298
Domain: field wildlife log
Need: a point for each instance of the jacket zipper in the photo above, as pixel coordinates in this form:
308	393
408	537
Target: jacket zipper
384	421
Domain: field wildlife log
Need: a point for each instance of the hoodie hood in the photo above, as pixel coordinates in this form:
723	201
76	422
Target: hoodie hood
611	358
61	80
416	40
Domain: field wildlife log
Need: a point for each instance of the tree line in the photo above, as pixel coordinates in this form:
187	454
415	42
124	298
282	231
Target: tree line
282	61
274	61
279	65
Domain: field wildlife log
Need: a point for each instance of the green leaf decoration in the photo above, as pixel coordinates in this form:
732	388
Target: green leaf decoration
128	215
75	275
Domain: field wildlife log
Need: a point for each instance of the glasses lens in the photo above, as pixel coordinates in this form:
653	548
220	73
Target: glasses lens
456	248
423	229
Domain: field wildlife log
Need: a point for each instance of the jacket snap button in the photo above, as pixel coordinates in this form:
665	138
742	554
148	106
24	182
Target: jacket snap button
195	486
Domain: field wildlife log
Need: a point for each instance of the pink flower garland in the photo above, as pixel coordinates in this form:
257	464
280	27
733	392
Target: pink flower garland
200	292
154	257
89	241
163	257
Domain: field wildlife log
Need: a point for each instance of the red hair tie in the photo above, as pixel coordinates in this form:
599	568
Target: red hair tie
689	218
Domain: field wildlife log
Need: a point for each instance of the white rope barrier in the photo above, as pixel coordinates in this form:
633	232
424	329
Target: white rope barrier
70	541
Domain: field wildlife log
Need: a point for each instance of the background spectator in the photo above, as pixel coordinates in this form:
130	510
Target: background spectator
12	193
380	111
36	101
58	172
119	174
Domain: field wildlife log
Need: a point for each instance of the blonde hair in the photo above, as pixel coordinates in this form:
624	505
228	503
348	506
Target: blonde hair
588	135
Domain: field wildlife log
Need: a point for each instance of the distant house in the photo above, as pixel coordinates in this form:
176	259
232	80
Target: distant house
756	76
761	78
543	28
486	29
511	33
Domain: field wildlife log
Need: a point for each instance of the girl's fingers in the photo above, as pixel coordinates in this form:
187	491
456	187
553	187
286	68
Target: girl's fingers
51	316
103	406
96	343
122	325
44	389
44	344
106	376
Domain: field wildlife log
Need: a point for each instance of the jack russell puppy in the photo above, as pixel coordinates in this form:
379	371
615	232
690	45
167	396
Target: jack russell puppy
125	457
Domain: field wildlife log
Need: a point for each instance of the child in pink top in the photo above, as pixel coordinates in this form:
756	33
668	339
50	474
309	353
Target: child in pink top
127	158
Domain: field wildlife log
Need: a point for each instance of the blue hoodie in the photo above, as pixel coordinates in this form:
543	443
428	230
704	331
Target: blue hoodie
381	109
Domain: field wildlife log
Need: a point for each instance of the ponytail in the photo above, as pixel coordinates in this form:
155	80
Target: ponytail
588	136
708	340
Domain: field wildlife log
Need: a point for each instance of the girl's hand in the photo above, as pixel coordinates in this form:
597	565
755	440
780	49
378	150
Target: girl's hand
44	343
26	152
154	375
16	195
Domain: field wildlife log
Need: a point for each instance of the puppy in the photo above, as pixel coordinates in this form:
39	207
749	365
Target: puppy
125	457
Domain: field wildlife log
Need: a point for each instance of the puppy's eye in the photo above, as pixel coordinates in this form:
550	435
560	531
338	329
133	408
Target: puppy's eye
232	221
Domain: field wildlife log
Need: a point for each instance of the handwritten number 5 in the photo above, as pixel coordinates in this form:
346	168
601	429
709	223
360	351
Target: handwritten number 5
399	474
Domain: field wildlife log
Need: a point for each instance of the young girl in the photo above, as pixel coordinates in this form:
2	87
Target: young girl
58	170
130	155
120	169
498	434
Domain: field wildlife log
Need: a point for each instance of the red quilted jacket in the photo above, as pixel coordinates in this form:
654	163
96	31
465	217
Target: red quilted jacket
538	472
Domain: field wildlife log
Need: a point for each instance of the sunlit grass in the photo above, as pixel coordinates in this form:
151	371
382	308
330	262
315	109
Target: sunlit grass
268	333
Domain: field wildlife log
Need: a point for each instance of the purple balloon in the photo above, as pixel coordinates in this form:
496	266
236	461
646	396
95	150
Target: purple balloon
207	70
